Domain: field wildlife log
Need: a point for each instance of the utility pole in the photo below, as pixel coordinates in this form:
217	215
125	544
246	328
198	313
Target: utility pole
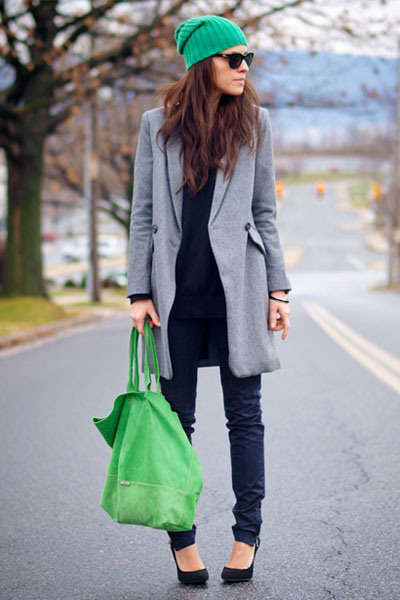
396	202
393	212
92	190
95	192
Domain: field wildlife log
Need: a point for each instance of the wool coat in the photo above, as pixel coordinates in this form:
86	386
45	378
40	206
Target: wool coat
243	237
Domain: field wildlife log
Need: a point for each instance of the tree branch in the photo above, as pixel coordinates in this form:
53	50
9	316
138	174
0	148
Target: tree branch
84	23
125	49
59	174
124	220
9	145
11	57
272	11
71	99
4	141
5	111
6	18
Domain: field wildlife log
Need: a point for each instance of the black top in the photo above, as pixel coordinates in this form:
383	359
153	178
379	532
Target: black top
199	291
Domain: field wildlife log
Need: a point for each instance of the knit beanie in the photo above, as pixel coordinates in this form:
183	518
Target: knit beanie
200	37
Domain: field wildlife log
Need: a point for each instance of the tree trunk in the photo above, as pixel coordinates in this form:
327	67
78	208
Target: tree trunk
23	260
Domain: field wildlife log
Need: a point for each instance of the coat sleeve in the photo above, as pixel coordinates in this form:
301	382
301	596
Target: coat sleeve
264	208
135	297
140	232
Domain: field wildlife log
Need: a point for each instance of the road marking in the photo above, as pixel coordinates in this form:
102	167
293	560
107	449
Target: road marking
384	357
351	341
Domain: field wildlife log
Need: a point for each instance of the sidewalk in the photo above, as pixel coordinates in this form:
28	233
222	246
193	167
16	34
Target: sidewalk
374	239
82	266
89	314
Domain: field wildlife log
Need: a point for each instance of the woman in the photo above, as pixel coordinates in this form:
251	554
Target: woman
205	261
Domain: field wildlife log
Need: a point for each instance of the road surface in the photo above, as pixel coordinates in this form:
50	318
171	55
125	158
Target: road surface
332	509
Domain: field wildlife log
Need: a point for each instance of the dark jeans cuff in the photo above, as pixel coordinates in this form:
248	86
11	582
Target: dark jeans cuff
181	539
245	536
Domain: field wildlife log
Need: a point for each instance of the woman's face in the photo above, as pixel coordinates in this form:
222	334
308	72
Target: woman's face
227	80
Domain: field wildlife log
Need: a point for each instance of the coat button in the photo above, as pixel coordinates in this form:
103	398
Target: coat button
155	228
247	226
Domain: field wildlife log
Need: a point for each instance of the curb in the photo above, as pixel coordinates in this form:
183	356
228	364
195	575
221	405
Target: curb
46	330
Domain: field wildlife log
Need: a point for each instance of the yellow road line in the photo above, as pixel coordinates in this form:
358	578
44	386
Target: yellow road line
337	330
384	357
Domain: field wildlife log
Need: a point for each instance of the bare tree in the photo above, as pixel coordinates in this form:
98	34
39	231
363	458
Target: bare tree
51	74
45	46
118	125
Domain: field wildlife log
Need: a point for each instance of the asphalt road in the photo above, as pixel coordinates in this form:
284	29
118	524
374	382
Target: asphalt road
332	509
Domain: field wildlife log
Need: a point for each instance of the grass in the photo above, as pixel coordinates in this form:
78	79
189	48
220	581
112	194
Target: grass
358	194
326	176
22	312
110	297
71	291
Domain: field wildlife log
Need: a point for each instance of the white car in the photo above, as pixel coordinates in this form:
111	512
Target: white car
78	249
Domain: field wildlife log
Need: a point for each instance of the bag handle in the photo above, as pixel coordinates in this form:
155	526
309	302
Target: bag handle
133	354
133	357
150	346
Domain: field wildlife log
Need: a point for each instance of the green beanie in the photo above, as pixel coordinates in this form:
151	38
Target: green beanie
200	37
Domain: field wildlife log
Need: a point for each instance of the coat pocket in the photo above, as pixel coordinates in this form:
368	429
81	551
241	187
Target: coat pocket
256	238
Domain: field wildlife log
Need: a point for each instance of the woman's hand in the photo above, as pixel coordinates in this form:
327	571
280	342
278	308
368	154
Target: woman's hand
139	311
279	314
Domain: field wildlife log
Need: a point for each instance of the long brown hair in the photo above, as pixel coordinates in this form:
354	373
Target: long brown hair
188	110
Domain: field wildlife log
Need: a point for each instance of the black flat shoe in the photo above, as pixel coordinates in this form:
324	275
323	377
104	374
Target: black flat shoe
235	575
194	577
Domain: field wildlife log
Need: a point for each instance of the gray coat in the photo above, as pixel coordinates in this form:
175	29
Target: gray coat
243	237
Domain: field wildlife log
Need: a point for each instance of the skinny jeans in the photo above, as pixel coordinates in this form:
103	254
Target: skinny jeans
242	396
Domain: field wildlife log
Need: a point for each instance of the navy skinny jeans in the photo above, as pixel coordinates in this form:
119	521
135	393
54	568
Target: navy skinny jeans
243	413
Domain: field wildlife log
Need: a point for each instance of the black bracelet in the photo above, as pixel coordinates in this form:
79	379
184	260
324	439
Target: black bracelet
279	299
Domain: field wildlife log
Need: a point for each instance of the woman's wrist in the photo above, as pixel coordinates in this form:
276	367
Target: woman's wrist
279	295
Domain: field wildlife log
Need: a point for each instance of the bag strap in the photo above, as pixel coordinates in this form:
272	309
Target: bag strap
150	346
133	354
133	357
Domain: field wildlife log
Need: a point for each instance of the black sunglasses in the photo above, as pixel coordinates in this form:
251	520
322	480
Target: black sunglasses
235	59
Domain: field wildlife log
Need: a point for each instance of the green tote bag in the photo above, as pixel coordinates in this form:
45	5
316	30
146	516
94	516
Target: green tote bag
154	477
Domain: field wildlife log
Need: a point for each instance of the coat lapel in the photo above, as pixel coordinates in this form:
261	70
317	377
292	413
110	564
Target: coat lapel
175	177
221	185
219	191
175	180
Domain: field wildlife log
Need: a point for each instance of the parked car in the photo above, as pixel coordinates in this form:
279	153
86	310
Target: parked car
78	249
111	246
48	236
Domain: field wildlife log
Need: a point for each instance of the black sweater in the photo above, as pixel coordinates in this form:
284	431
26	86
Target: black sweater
199	291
